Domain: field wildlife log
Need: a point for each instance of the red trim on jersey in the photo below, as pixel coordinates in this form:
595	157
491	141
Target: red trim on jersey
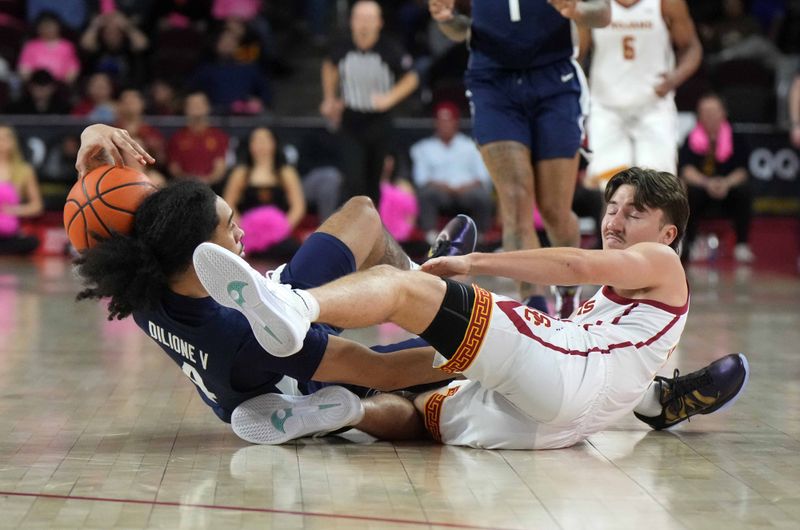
609	293
625	313
508	307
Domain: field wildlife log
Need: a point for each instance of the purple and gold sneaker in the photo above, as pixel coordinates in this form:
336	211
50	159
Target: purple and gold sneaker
710	389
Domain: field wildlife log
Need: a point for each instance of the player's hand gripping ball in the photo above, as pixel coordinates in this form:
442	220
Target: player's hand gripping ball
102	202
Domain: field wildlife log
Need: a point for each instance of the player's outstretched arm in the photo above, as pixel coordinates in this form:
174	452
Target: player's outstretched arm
101	144
346	361
640	266
689	50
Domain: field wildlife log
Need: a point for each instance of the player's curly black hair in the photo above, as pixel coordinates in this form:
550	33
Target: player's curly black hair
134	270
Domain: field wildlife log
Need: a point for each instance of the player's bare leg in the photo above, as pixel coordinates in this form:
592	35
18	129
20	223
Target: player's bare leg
383	293
391	417
358	225
555	185
509	164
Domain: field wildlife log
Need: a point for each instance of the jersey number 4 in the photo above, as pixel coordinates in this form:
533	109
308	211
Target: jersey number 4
513	10
193	374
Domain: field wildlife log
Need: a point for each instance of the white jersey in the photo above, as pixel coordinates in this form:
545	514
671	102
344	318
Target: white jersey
630	54
536	382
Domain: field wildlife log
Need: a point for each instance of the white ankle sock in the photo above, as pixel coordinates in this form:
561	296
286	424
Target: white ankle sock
650	405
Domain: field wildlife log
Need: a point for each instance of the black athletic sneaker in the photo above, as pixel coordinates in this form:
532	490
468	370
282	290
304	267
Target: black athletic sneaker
713	388
457	238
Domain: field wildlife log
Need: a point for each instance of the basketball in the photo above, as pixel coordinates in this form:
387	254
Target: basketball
103	202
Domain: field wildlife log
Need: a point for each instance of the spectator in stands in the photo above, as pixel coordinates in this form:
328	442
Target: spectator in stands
398	206
98	104
363	78
198	150
320	164
7	77
72	13
738	35
162	100
794	111
139	12
42	95
233	87
450	175
59	164
713	162
57	174
182	13
19	195
49	51
266	194
116	46
130	116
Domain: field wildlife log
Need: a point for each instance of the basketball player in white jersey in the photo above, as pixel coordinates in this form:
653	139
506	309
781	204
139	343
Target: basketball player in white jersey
632	79
533	381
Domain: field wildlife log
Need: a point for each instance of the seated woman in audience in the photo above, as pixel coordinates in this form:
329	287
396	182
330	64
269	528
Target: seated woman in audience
19	195
713	162
49	51
267	194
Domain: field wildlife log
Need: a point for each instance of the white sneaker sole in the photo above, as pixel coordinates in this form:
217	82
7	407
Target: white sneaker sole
278	418
235	284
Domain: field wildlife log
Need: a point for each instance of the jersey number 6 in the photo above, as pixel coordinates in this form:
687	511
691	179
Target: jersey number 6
628	51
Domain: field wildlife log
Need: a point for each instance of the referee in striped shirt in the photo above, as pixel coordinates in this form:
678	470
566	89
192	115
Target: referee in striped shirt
363	78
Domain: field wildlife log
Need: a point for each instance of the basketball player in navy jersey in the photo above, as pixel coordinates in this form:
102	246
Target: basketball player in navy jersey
527	96
149	275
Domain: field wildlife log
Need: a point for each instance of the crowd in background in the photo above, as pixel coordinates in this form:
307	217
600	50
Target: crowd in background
123	61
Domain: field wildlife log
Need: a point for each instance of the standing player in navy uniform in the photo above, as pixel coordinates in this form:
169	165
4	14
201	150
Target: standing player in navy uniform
149	275
527	95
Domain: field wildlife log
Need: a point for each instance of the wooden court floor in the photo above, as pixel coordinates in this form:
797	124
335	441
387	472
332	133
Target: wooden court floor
99	429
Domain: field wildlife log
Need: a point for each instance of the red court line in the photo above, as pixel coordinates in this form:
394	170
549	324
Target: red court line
251	509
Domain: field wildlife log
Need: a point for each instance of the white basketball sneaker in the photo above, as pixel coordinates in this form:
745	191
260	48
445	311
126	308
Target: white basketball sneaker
278	314
278	418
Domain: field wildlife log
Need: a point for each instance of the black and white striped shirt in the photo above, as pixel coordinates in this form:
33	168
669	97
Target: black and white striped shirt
363	73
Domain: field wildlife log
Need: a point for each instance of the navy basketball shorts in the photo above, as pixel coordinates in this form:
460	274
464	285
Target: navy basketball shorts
540	108
322	258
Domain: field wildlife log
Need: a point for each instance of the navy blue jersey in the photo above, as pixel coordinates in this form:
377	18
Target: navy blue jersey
215	347
540	35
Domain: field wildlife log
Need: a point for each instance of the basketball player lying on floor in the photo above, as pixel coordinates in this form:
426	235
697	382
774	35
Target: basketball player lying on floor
533	381
149	275
220	354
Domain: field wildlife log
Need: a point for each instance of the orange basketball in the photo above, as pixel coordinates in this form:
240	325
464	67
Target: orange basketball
104	201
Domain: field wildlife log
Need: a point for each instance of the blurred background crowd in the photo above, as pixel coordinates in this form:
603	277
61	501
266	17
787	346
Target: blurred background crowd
241	94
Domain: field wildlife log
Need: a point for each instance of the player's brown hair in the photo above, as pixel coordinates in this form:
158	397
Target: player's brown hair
656	189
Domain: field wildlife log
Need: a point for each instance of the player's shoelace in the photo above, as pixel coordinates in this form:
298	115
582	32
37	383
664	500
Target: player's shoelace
679	390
